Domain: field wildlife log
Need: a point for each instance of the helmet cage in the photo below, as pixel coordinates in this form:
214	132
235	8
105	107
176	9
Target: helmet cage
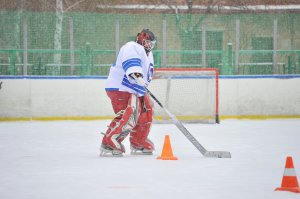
147	39
148	44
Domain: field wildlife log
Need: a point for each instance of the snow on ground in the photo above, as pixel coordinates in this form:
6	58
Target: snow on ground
47	160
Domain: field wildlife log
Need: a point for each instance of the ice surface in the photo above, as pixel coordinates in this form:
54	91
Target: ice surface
60	160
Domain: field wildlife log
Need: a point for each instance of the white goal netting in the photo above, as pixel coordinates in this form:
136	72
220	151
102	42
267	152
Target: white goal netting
189	94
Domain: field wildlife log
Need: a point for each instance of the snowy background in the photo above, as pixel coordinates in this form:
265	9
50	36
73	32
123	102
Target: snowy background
47	160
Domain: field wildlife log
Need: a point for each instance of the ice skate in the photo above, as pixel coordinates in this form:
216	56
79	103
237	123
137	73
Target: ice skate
142	148
111	147
106	150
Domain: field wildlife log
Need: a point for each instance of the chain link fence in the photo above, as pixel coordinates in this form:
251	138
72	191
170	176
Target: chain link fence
81	43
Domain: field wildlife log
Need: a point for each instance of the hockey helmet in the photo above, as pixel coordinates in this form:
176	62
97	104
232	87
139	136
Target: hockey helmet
147	39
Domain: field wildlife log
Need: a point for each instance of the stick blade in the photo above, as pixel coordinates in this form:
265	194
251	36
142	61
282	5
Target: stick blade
217	154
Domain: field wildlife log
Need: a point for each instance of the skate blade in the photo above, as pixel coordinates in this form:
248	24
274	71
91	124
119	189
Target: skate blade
140	152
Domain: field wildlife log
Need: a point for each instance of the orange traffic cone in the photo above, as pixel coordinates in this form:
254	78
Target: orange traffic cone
167	153
289	180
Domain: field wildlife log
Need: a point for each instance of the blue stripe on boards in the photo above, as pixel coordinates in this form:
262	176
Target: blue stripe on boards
135	87
131	62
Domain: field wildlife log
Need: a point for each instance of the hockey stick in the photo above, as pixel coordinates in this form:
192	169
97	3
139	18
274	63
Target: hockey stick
188	135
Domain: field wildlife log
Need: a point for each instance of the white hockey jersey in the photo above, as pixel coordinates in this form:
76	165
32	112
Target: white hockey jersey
132	58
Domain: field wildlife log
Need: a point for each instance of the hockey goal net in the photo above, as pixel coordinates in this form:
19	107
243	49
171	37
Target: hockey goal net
188	93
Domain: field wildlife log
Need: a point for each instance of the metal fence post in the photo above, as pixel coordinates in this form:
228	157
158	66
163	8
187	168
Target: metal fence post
237	46
275	36
164	48
203	45
229	58
88	52
72	54
25	46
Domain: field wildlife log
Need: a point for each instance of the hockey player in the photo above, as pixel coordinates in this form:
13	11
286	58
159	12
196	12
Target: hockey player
131	72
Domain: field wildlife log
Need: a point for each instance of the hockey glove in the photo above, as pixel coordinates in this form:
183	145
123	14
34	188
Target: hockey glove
138	77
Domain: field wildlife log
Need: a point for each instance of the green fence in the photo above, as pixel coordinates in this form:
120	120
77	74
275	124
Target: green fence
36	43
98	62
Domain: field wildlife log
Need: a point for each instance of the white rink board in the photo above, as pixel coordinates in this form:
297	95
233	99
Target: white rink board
79	97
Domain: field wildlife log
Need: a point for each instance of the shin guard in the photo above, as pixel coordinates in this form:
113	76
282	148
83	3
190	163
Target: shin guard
126	106
139	134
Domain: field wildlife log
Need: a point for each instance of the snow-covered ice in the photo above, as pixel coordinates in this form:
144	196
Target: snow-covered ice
60	159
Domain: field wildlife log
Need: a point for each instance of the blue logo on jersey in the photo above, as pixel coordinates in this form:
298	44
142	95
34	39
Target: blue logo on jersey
150	72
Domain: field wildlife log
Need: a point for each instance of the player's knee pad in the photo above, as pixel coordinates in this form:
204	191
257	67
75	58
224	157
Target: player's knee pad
146	115
146	103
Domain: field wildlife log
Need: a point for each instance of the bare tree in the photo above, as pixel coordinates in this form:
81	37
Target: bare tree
58	34
59	17
17	28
